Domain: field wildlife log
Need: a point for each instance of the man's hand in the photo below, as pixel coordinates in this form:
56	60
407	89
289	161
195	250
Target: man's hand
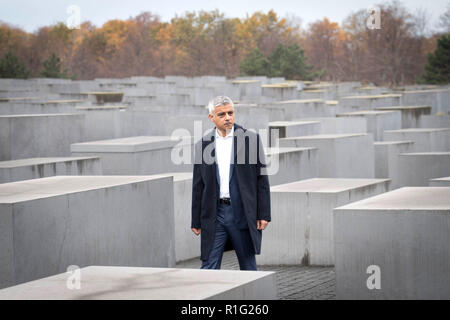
261	224
196	231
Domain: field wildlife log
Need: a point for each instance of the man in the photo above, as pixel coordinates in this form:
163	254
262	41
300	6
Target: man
230	189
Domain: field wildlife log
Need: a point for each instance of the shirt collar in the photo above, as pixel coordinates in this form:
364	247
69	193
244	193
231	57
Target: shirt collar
229	135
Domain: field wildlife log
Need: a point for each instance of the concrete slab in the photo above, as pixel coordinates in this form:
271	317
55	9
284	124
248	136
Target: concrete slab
34	168
102	97
139	155
302	232
436	98
125	283
434	121
35	107
440	182
187	244
364	103
198	95
271	112
340	155
334	125
280	91
248	89
298	109
394	246
386	159
370	91
39	135
50	223
292	129
416	169
291	164
119	123
316	94
377	121
425	139
410	115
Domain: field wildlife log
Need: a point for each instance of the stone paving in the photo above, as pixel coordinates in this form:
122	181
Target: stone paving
293	282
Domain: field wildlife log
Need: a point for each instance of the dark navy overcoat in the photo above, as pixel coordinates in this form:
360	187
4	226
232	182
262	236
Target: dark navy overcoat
249	168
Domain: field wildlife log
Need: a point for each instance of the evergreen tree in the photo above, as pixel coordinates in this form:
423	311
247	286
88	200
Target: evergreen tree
52	68
437	70
289	61
11	67
254	64
286	61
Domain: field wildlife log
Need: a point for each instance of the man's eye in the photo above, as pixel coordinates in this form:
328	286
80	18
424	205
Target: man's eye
220	114
230	113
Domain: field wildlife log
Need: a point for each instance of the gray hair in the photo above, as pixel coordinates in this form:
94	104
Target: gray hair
219	101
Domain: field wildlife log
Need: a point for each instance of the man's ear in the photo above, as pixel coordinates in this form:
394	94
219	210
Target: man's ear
211	117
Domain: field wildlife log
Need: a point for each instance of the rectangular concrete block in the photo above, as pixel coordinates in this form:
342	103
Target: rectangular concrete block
280	91
394	246
103	97
298	109
231	90
187	244
434	121
425	139
34	168
43	107
364	103
341	125
440	182
387	159
126	283
302	229
416	169
248	89
340	155
272	112
284	129
436	98
140	155
291	164
317	94
198	95
52	223
410	115
38	135
370	90
377	121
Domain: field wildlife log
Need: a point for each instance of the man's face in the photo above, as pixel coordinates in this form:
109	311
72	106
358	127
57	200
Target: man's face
223	117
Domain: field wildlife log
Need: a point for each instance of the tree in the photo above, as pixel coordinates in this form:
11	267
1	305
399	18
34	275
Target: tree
254	64
393	55
89	60
289	61
322	44
437	70
11	67
52	68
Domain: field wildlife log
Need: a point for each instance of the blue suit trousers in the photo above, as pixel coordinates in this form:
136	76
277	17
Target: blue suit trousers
241	240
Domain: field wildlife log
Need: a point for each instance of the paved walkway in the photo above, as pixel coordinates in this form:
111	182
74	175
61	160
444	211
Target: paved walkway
293	282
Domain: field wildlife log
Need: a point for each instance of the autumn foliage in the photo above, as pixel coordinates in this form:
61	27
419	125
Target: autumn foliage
208	43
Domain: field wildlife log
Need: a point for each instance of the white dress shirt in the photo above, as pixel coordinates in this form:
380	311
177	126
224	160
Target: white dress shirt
224	146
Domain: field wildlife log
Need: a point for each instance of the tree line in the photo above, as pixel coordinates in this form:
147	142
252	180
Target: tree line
208	43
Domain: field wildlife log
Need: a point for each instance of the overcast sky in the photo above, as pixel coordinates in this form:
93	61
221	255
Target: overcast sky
32	14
